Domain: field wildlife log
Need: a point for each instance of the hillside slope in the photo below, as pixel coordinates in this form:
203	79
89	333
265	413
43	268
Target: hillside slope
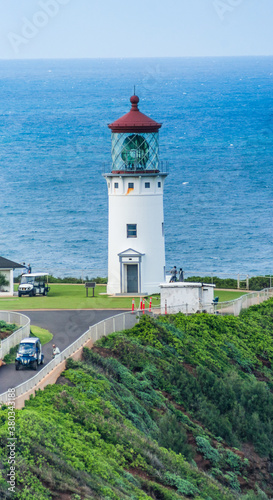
178	407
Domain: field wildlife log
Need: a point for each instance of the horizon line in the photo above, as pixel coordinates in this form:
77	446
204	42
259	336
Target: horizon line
133	57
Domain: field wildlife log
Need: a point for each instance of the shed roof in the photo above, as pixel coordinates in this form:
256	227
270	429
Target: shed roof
9	264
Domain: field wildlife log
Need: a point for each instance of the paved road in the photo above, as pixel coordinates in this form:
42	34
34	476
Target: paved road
66	327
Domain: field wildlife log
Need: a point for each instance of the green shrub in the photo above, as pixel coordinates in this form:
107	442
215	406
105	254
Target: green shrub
183	486
10	357
233	461
232	481
7	327
173	436
210	453
255	283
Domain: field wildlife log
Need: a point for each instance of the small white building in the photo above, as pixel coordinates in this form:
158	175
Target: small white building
6	269
136	244
186	297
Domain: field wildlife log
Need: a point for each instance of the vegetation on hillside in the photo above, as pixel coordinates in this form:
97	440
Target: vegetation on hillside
70	279
174	408
255	283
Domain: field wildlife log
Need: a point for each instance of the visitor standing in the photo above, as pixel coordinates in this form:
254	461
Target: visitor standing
25	268
55	351
173	274
181	274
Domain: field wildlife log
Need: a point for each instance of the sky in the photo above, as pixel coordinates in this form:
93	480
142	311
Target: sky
143	28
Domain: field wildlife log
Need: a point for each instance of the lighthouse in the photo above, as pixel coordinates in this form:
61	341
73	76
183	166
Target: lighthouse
136	243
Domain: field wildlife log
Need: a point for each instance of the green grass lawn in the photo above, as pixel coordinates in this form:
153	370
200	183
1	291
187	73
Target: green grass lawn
74	297
44	335
67	297
227	295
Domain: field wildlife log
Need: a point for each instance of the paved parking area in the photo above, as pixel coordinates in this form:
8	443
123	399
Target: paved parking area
66	326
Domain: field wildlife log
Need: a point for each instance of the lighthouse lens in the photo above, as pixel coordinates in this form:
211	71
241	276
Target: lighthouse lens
135	152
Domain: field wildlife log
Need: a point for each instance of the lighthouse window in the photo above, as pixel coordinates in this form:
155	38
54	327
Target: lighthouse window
131	230
130	185
116	185
147	185
159	184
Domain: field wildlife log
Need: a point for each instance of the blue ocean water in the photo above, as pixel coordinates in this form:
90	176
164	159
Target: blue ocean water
217	136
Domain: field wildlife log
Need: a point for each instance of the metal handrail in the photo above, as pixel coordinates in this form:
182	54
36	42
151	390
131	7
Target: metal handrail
18	335
235	306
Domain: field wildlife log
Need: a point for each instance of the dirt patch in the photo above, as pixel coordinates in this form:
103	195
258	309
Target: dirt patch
144	476
103	352
140	473
181	408
191	369
259	376
64	381
265	362
259	470
4	334
201	462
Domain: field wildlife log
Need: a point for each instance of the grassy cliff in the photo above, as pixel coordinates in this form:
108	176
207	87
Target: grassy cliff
178	407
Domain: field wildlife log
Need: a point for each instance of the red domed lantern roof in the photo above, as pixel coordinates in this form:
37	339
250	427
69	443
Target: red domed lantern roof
134	121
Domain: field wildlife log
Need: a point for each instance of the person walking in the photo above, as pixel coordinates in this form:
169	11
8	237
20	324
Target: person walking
55	351
173	274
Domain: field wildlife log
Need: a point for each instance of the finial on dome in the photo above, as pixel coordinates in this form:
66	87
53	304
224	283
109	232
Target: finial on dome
134	100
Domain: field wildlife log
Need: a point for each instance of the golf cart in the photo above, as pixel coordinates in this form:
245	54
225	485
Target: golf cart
33	284
29	353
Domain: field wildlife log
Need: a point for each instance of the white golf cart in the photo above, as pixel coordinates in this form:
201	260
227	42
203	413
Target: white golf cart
33	284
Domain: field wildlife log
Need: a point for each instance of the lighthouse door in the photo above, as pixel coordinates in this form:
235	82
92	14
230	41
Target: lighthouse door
132	278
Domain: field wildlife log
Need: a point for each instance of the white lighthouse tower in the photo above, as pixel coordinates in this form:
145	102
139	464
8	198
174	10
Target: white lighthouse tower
136	245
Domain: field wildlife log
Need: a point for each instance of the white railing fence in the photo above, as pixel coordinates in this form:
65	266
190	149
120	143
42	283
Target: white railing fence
186	308
16	337
250	299
229	307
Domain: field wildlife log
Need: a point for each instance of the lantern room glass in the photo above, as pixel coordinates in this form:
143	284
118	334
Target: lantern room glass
135	152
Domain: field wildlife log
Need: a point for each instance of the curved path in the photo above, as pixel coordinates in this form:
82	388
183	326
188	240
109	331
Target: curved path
66	326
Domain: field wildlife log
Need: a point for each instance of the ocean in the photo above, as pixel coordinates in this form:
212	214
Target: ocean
217	138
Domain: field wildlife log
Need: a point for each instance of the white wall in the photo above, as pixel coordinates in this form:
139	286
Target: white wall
144	207
186	297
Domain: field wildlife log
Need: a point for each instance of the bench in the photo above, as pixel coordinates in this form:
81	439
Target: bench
90	284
